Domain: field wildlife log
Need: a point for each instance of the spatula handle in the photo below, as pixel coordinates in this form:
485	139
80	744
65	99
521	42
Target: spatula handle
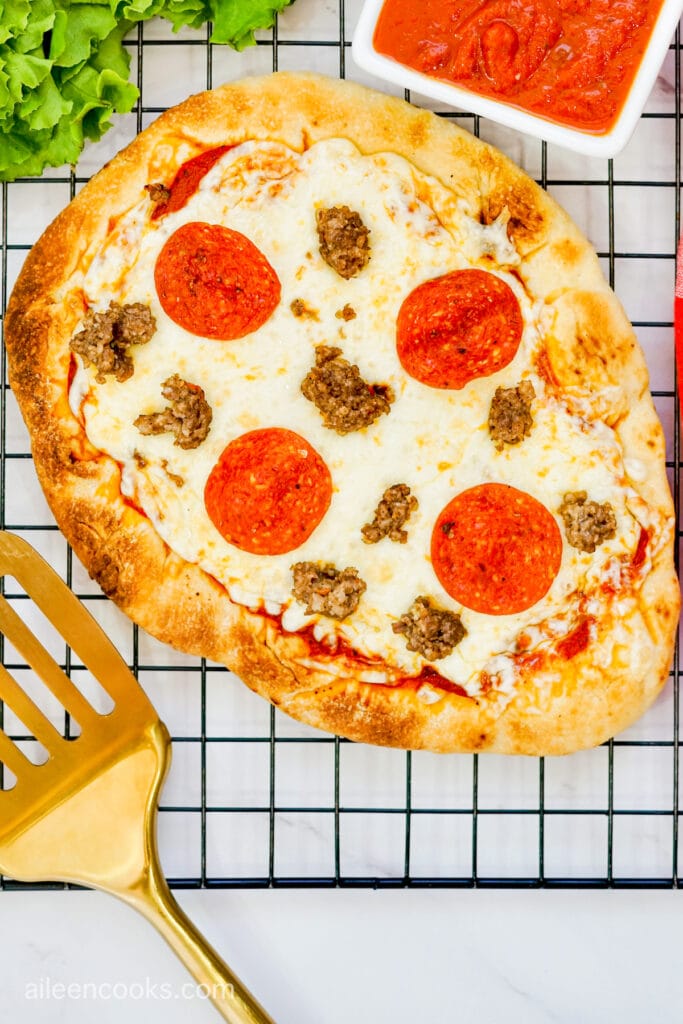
230	997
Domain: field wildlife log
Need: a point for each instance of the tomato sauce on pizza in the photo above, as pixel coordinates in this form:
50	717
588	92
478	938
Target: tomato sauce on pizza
170	198
350	408
416	506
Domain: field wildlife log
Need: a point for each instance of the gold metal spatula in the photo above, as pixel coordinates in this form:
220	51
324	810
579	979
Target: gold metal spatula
88	815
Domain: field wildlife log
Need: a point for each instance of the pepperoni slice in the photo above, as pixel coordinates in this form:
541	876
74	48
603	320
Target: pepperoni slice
457	327
268	491
186	181
496	549
214	282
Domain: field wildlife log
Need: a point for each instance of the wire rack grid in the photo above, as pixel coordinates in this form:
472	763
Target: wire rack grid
255	799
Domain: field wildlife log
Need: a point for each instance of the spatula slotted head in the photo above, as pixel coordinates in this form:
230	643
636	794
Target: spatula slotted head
84	814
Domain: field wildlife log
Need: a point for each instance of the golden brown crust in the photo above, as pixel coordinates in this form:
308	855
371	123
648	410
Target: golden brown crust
590	345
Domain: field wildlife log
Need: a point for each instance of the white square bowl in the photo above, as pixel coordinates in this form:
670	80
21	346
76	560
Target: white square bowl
607	144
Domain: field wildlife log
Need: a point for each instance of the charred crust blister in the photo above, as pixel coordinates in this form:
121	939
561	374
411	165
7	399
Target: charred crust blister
430	631
338	391
510	419
188	415
344	240
104	338
587	523
326	590
391	515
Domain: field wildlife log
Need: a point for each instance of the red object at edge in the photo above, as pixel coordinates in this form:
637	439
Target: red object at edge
678	321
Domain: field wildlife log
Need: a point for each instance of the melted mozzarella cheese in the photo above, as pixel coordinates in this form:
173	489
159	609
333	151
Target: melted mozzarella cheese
435	441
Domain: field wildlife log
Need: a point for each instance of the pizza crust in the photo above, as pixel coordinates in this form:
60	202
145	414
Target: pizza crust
590	346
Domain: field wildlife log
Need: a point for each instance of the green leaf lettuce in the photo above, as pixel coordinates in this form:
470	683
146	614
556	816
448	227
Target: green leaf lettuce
64	69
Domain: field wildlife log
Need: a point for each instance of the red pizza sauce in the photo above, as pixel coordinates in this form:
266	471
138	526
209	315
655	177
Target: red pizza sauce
641	549
433	678
571	61
333	649
577	640
187	180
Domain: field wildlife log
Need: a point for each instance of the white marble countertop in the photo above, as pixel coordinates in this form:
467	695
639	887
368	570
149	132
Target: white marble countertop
399	956
330	957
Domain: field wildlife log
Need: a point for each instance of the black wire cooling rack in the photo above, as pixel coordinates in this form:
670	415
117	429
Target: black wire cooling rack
255	799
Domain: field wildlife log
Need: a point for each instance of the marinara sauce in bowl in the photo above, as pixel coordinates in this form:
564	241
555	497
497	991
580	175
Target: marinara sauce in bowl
574	72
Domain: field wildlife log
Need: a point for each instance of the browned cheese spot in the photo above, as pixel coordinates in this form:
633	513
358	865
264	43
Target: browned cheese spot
522	202
173	477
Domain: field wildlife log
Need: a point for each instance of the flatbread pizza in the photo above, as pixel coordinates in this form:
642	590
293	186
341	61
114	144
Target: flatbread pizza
325	389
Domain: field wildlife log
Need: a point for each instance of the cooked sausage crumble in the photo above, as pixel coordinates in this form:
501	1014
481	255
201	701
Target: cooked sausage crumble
347	312
391	514
188	416
337	389
344	240
104	339
326	590
587	523
430	631
158	192
510	418
300	309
